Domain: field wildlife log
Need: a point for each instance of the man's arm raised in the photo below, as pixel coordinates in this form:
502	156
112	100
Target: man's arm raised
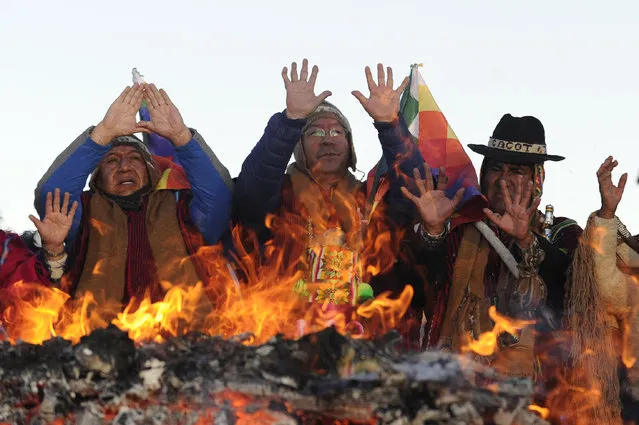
400	153
260	181
70	170
210	181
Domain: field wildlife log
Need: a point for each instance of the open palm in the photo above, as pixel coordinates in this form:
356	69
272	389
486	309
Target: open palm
55	226
515	220
120	119
300	91
610	194
433	205
166	119
383	103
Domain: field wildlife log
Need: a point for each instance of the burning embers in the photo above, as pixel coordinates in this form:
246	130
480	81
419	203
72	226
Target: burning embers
321	378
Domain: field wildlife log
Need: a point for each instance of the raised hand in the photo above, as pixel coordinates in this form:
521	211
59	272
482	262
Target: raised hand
57	222
300	91
120	119
166	119
610	194
516	219
383	103
432	203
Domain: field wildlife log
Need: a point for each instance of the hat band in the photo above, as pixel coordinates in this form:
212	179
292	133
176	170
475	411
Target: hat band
520	147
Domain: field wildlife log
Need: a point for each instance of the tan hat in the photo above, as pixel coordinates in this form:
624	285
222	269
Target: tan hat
328	110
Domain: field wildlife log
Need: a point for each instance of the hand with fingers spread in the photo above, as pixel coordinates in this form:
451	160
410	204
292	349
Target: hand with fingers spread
300	91
610	194
432	203
383	103
516	219
57	222
166	119
121	117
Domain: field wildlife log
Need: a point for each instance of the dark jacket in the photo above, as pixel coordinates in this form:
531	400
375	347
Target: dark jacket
437	268
263	177
264	187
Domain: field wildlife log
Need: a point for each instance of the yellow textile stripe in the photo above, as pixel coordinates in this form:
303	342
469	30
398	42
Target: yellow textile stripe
162	183
426	99
451	134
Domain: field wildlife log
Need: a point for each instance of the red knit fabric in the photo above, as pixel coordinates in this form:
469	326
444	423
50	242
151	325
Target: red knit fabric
141	272
18	263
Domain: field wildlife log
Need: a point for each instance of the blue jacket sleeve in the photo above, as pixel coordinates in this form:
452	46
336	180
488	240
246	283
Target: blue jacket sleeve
401	156
210	208
69	172
259	184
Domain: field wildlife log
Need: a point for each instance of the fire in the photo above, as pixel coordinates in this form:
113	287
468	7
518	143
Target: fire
97	269
486	345
169	317
31	311
264	304
386	309
627	353
598	234
543	412
573	402
46	315
101	227
627	350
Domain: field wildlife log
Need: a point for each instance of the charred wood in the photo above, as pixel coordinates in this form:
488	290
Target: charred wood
196	379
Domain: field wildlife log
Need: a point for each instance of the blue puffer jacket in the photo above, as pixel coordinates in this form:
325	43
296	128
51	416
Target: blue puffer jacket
211	184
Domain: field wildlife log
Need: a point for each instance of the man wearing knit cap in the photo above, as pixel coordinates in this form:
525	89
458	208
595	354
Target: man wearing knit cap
322	224
129	236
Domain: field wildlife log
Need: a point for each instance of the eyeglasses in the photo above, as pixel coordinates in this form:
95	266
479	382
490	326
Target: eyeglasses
333	133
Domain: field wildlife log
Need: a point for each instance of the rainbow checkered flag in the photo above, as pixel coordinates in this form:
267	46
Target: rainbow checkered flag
173	176
439	147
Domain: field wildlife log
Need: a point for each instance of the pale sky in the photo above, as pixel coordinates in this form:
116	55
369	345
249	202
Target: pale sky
572	64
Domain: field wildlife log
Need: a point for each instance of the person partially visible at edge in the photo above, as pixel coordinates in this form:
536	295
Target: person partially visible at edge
467	266
129	238
18	263
321	208
604	307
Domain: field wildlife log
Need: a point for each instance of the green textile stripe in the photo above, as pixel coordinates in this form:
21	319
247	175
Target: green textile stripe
411	110
409	104
556	230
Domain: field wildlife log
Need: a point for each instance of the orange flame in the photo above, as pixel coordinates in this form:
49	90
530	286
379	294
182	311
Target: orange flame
627	353
264	304
97	269
486	345
101	227
31	311
543	412
169	317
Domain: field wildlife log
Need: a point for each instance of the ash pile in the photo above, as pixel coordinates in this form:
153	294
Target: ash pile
322	378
